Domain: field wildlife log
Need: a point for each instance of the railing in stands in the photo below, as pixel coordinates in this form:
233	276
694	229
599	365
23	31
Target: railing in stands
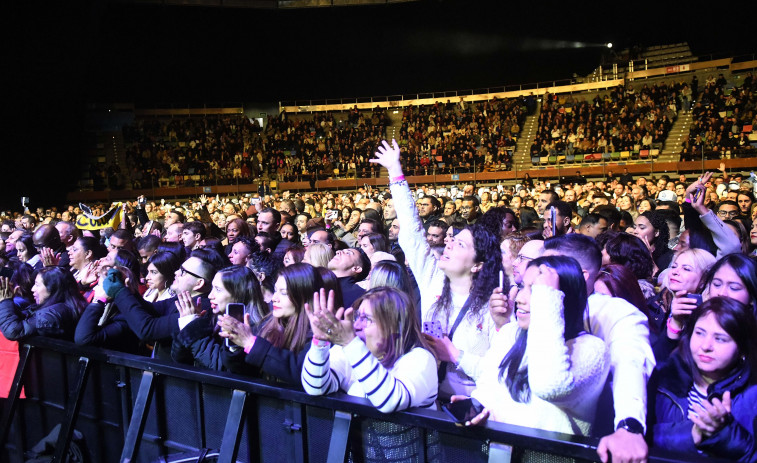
130	408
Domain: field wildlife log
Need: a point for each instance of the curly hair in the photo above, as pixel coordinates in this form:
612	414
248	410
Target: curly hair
629	251
483	282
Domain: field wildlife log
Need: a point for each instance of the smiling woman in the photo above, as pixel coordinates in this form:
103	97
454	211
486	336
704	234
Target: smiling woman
55	312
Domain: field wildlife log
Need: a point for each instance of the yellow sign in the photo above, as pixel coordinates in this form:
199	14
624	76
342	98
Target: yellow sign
111	219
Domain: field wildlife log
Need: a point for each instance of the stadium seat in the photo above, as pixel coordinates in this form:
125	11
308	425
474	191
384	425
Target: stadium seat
561	159
644	154
615	156
625	155
544	160
655	153
747	128
535	160
552	159
606	157
570	158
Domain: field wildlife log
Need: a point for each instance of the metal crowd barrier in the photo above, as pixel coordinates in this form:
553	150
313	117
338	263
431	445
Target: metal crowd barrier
129	408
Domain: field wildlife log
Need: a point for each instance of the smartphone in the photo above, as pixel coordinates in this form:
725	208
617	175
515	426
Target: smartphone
434	328
553	216
236	310
697	194
24	201
6	272
332	214
463	410
255	200
696	297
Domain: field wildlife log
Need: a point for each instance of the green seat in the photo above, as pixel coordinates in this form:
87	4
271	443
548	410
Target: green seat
615	156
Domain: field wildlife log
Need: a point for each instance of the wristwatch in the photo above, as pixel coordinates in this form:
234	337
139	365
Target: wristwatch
631	425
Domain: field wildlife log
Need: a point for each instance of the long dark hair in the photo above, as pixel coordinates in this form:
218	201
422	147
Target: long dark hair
619	280
660	243
62	288
167	264
737	320
302	280
243	286
483	282
573	286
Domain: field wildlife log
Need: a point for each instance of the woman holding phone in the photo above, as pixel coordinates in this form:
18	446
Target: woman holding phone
198	340
277	347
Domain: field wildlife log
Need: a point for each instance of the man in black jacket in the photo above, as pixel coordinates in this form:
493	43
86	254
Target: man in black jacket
350	266
159	322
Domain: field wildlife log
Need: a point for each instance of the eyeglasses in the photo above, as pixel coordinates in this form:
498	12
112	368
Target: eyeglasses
728	213
185	271
521	258
363	318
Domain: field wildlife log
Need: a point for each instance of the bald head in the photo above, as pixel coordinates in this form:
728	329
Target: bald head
47	236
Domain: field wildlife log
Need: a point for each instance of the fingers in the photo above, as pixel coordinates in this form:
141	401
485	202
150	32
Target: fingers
727	401
478	419
457	398
247	320
602	451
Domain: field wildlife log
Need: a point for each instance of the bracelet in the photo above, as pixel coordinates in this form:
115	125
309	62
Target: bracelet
398	182
673	329
320	342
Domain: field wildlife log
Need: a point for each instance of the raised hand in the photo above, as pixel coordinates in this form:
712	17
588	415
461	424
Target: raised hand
389	157
548	277
186	305
49	258
6	289
320	300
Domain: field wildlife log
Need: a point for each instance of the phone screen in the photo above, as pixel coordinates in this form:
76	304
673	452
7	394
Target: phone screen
236	310
553	216
463	410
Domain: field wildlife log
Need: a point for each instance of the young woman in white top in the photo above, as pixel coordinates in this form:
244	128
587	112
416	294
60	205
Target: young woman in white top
463	277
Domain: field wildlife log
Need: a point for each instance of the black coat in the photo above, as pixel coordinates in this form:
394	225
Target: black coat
54	320
114	334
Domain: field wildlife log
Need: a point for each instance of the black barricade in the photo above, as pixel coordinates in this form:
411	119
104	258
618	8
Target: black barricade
111	407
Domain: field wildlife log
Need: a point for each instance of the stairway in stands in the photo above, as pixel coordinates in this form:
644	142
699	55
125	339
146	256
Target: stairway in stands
522	157
392	131
676	137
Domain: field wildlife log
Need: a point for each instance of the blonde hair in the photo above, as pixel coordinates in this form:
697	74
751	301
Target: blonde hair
319	254
702	259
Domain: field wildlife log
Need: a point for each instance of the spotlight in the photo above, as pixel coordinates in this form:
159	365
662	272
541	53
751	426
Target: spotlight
609	44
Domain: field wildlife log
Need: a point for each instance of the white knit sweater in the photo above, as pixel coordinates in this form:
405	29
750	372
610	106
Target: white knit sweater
565	378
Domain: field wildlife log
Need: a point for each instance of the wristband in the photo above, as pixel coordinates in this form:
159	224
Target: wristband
320	343
672	328
397	179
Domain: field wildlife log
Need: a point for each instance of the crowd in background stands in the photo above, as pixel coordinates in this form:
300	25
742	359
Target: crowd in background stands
525	298
461	137
719	118
625	119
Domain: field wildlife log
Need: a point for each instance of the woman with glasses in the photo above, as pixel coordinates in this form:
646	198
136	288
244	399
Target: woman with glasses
378	351
277	347
455	288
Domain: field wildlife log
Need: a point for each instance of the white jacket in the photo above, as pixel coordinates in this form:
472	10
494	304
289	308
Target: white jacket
474	333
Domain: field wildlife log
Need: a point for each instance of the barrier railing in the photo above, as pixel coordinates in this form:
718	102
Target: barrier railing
131	408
